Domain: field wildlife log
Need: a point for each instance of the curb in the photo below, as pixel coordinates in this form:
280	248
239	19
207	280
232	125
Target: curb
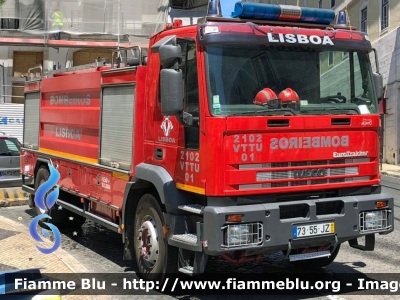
13	197
65	258
390	174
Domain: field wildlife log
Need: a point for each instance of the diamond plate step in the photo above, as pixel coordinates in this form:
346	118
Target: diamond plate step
312	255
193	208
186	270
188	238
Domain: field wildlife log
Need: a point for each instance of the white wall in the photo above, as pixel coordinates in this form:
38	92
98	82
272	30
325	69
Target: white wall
187	17
61	58
388	48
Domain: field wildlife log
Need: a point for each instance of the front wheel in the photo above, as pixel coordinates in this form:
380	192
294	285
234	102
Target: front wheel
154	257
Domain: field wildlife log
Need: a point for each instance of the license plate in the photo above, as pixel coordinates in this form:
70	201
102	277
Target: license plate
9	173
313	230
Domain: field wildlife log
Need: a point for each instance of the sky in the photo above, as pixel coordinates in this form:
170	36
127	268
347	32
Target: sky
227	7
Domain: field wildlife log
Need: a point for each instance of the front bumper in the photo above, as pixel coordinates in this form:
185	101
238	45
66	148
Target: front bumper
275	223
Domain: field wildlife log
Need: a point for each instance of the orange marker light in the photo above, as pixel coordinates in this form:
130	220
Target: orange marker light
381	204
165	229
234	218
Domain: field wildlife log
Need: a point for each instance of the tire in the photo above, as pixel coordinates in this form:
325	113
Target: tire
60	218
317	263
164	258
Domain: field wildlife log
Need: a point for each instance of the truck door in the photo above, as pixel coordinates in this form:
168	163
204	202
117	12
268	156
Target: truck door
189	149
177	145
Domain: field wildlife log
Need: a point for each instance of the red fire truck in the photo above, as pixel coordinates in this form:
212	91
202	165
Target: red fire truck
231	138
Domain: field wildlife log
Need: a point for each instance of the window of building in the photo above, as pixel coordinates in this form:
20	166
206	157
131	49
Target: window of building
364	19
330	58
320	4
384	14
333	2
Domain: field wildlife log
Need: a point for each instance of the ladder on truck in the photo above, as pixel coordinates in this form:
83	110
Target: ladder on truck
120	59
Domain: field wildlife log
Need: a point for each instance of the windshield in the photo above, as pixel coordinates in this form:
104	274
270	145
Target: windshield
325	81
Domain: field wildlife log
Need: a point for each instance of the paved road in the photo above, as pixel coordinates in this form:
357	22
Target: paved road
100	251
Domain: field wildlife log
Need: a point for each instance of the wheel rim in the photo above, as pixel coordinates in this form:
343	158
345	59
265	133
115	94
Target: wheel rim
148	242
42	210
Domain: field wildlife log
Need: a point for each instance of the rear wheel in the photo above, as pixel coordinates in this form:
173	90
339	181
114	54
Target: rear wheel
316	263
154	257
59	217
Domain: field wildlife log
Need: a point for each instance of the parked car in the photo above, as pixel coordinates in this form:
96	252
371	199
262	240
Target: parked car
10	173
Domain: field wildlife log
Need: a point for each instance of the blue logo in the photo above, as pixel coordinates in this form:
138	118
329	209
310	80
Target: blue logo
46	204
8	120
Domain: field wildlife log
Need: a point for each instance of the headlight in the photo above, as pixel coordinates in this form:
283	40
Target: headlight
239	234
373	220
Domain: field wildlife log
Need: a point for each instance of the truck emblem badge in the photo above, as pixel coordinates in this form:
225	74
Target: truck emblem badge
309	173
366	122
167	126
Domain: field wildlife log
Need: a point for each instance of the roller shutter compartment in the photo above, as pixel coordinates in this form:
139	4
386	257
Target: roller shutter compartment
32	120
117	126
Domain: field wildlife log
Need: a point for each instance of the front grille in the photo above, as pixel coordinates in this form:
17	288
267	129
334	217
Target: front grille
330	208
289	174
293	211
287	178
302	210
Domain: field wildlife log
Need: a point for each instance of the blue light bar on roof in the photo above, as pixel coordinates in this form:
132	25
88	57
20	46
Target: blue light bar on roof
246	10
342	19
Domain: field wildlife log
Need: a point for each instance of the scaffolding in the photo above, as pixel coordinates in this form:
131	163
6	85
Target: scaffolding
133	18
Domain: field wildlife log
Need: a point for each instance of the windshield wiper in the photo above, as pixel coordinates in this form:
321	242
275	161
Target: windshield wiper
331	109
294	113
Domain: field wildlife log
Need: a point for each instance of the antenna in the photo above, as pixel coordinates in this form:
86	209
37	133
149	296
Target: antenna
119	12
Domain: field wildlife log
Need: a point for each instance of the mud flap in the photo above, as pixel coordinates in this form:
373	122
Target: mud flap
127	254
369	243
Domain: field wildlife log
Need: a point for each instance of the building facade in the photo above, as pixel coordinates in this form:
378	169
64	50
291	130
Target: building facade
27	26
380	20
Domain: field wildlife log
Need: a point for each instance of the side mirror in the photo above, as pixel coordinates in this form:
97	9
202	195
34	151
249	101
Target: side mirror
170	52
171	91
171	83
378	81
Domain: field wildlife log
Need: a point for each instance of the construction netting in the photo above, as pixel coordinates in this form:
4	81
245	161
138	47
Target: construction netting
140	18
